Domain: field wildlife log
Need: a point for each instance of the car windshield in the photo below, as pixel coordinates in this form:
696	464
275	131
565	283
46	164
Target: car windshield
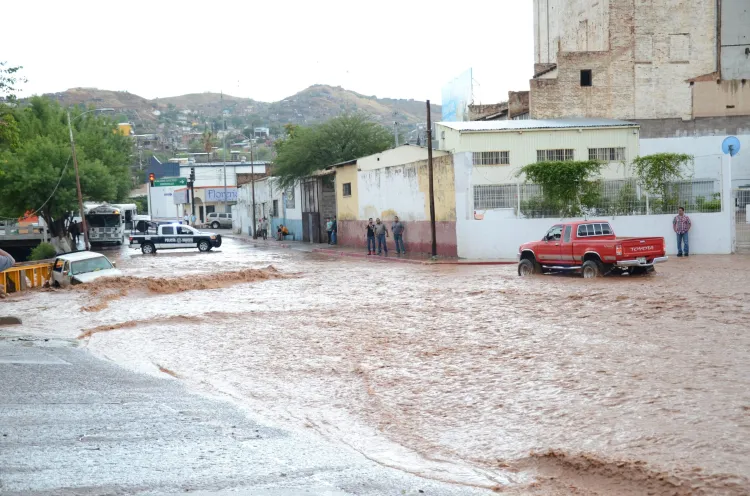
90	265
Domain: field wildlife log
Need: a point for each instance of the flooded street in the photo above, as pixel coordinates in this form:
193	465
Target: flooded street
465	374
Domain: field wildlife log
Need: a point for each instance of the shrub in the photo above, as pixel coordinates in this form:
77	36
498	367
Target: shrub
43	251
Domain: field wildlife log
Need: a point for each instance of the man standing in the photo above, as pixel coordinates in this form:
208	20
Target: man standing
187	219
398	235
370	237
681	225
329	228
334	231
75	233
264	228
381	232
192	220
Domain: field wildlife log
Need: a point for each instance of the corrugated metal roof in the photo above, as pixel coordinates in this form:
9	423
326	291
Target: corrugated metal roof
531	124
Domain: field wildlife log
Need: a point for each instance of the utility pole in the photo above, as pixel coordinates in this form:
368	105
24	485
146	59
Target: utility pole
224	149
252	180
78	187
432	190
395	132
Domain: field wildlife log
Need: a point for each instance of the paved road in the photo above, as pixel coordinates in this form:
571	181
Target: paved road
71	424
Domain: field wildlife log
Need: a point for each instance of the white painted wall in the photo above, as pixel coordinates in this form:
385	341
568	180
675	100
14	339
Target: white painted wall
266	190
394	188
499	234
707	153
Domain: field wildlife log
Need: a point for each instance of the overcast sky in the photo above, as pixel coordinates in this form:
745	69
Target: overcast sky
268	50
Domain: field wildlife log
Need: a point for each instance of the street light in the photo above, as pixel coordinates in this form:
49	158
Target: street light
78	178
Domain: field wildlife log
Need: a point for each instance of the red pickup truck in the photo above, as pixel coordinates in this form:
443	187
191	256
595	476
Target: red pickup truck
592	248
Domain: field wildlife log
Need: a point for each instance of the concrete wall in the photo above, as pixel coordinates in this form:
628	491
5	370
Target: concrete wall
641	54
403	191
735	39
499	234
721	98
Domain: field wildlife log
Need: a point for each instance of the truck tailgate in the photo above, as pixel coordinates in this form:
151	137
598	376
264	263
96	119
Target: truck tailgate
641	247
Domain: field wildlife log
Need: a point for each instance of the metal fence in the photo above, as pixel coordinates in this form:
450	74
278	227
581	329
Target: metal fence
602	198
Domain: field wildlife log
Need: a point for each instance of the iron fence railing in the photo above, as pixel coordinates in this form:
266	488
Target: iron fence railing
603	198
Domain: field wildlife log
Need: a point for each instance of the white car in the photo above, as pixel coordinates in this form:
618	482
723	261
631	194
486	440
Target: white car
81	267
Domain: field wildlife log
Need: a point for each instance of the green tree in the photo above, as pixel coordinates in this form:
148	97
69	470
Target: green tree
307	149
657	173
9	79
566	185
39	175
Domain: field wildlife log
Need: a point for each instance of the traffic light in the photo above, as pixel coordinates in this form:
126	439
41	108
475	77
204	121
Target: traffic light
151	178
192	174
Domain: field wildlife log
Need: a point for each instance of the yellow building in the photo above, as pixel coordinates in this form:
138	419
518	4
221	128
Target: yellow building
125	128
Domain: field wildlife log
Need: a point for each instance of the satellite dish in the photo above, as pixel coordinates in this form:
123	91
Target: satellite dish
730	146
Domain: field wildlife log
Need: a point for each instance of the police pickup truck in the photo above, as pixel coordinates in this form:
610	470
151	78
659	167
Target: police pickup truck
171	236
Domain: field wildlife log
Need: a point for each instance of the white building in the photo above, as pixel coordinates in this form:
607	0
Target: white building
279	206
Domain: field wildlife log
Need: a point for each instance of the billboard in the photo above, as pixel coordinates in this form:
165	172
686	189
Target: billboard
457	95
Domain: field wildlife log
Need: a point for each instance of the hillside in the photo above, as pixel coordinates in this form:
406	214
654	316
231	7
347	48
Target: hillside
315	104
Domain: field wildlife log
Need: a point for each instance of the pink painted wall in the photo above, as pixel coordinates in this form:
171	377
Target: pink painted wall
417	236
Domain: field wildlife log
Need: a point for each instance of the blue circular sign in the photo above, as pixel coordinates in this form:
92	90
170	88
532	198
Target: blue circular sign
730	146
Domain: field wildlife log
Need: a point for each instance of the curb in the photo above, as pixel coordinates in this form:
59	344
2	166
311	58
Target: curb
372	258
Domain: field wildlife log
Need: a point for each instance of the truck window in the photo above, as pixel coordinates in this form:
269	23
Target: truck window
167	230
598	229
566	236
554	233
606	229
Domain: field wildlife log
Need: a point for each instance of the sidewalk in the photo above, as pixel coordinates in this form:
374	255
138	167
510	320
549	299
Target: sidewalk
72	424
347	251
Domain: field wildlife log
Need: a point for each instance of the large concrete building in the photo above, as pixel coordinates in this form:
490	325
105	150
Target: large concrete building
679	68
641	59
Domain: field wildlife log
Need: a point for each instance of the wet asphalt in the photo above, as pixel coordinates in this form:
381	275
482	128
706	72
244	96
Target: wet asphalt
72	424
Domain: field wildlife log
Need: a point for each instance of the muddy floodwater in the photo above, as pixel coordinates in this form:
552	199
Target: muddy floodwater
549	385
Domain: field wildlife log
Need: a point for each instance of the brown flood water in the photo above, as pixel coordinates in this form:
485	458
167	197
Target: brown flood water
549	385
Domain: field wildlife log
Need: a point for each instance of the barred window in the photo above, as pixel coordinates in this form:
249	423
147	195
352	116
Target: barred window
607	154
347	189
587	230
554	155
491	196
491	158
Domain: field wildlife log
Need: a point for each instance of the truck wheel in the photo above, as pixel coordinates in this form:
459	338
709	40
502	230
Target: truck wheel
204	245
218	241
640	271
215	225
592	269
148	249
527	268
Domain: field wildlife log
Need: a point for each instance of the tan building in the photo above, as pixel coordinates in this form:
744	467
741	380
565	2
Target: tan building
642	59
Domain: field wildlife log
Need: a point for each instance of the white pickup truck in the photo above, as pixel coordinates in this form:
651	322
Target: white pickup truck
172	236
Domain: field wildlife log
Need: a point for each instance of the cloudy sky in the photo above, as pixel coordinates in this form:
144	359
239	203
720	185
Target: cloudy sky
268	50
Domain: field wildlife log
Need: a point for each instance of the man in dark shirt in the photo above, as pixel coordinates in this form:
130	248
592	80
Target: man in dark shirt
370	237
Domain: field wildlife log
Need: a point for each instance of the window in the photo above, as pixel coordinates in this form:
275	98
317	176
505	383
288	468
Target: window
607	154
554	233
599	229
347	189
586	78
167	230
491	196
222	216
185	230
275	209
491	158
566	236
554	155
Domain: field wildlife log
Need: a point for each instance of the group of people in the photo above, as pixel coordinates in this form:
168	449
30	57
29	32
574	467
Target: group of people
332	229
378	231
75	229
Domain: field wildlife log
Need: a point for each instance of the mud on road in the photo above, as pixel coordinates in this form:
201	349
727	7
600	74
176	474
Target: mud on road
543	385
